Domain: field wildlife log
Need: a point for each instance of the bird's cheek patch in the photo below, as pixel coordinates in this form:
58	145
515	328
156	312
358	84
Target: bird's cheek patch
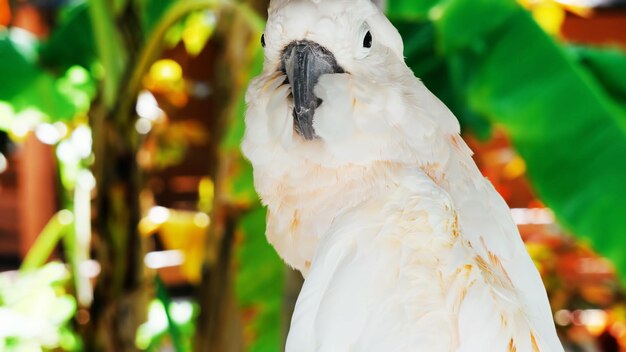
371	113
279	120
334	118
395	108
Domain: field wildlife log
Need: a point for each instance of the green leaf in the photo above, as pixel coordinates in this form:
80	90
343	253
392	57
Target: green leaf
464	25
110	47
34	89
152	11
608	67
409	9
564	125
73	26
259	283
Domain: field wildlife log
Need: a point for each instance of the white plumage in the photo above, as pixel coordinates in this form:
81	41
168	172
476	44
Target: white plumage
403	244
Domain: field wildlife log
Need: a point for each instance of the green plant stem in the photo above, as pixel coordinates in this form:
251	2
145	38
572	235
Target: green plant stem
109	49
47	240
163	296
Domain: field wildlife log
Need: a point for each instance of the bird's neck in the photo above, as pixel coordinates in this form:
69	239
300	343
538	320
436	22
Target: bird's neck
303	204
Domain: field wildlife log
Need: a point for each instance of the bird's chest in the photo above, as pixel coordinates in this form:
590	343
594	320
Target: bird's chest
382	266
303	205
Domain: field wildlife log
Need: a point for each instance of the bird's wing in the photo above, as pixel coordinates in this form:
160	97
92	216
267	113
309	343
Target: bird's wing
397	275
485	224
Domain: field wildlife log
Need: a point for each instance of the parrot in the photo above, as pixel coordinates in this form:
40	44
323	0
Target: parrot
372	194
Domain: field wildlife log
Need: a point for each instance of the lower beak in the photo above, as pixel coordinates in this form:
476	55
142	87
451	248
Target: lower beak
304	62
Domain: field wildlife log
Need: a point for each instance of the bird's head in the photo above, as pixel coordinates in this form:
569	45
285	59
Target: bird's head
305	39
328	67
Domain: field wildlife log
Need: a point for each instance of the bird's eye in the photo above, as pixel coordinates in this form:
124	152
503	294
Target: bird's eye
263	40
367	40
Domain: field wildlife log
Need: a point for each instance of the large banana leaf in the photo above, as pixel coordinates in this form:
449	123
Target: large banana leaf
408	10
561	109
608	67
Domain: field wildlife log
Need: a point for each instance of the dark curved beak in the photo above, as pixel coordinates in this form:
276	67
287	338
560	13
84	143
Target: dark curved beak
304	62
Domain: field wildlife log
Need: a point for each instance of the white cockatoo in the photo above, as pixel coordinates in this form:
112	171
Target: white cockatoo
374	197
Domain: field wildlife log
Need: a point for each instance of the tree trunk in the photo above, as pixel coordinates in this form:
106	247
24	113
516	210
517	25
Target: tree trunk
219	324
122	291
293	286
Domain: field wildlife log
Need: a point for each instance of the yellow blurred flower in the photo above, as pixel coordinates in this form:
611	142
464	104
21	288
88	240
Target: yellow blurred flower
198	29
180	230
550	14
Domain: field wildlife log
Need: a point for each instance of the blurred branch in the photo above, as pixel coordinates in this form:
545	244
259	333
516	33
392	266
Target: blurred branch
218	326
78	240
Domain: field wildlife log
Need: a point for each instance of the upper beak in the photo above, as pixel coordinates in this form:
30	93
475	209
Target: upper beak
304	62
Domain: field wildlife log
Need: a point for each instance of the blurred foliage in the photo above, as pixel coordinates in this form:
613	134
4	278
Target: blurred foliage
53	82
36	96
156	332
259	286
35	310
585	293
73	26
180	230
